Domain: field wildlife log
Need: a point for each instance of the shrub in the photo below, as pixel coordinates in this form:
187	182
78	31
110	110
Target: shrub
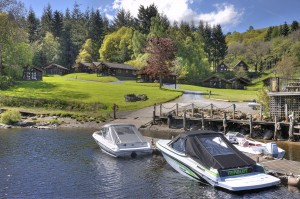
6	82
10	117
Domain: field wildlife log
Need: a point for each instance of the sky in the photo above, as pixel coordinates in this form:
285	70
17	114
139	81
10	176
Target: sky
232	15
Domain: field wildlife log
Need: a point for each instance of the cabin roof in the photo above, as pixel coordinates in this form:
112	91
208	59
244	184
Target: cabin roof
58	66
119	66
216	76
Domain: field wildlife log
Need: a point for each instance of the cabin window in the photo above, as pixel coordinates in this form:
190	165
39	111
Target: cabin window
127	71
119	71
33	75
178	145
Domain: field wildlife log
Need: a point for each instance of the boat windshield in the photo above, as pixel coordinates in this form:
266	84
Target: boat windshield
127	134
216	146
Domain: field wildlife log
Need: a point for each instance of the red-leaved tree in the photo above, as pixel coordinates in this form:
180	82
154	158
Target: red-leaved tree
161	55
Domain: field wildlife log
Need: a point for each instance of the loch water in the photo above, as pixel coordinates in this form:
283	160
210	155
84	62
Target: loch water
69	164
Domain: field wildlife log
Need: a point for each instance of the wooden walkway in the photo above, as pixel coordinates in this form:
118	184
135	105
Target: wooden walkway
280	166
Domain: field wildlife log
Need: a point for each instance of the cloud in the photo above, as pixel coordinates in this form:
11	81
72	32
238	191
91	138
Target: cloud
181	10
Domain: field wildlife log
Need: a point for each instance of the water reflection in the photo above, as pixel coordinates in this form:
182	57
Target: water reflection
69	164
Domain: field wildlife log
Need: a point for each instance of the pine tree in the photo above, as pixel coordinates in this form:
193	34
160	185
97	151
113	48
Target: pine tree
123	18
57	23
96	33
285	30
32	26
268	35
294	26
144	17
46	20
219	45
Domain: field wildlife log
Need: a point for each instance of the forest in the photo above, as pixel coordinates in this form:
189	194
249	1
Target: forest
76	36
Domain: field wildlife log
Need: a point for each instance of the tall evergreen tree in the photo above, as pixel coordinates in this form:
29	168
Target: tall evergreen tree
294	26
285	30
208	42
144	17
268	35
123	18
57	23
219	45
46	20
96	33
32	26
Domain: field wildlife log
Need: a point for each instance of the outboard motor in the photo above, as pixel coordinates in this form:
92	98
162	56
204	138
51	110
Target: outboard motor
272	149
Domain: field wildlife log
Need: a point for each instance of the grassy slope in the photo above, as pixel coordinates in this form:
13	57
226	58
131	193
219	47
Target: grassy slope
225	94
58	87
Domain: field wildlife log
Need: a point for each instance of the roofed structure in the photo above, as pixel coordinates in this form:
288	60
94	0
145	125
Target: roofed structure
215	81
222	67
116	69
33	73
55	69
241	64
239	82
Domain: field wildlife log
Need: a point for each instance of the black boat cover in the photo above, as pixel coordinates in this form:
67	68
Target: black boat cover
212	149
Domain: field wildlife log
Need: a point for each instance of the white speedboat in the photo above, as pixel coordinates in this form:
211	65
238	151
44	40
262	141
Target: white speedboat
251	146
120	140
209	156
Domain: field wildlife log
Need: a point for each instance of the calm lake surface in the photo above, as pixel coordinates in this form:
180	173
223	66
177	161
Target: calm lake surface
69	164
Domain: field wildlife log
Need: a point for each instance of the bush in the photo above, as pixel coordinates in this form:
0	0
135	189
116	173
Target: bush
6	82
10	117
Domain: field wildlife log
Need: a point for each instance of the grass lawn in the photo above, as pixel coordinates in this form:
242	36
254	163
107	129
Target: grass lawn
225	94
86	89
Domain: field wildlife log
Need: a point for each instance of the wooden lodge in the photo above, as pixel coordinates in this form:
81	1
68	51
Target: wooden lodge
55	69
84	67
32	74
239	83
116	69
241	64
215	81
144	77
222	67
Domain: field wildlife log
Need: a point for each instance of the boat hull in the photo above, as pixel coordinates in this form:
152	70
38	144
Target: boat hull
115	151
192	169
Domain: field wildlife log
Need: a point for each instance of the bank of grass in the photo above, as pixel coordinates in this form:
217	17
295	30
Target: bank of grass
225	94
65	90
90	77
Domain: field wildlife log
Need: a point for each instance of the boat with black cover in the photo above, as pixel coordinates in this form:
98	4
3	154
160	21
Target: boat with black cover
209	156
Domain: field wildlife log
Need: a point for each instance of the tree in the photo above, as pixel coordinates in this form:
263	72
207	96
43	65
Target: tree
85	54
161	56
96	33
47	51
268	35
285	30
57	24
219	46
159	26
138	43
144	17
123	18
285	68
32	26
117	46
294	26
46	20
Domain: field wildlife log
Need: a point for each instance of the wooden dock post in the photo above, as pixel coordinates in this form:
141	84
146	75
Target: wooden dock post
176	109
233	110
160	110
184	120
275	129
211	110
224	123
286	112
153	119
202	121
154	107
261	112
193	106
115	108
251	126
169	121
291	128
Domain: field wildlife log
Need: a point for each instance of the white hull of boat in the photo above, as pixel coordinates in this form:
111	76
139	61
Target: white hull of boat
116	151
192	169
